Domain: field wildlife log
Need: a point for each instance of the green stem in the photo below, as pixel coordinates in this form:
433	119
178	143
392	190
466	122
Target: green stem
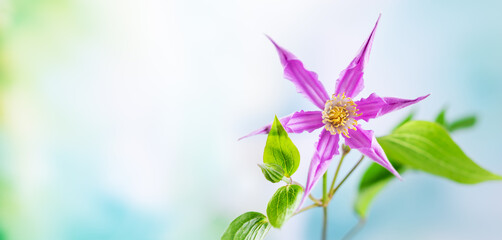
306	208
336	173
345	178
325	205
324	188
287	180
315	200
325	222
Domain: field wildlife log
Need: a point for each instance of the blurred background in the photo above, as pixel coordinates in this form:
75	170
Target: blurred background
120	119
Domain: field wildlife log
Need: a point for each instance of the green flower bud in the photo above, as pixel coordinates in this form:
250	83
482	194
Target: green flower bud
272	172
345	149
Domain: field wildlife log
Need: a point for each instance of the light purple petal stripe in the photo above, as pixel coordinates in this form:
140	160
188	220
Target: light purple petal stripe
351	80
326	148
306	82
297	122
375	106
366	143
304	121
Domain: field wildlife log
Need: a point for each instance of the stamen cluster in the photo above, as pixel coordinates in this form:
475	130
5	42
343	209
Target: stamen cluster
338	115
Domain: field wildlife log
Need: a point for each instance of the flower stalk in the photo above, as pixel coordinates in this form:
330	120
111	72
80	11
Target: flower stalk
328	193
325	201
345	151
333	191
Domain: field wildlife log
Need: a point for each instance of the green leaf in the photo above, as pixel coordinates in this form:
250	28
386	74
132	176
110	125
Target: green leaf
440	119
373	181
407	119
248	226
466	122
280	149
272	172
283	204
427	146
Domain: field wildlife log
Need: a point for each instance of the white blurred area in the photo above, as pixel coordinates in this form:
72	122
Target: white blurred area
142	106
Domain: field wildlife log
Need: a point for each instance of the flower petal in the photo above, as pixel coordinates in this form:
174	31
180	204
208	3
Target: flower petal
306	82
326	148
351	80
295	123
375	106
366	143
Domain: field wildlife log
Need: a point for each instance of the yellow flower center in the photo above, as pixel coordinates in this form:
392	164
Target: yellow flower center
338	115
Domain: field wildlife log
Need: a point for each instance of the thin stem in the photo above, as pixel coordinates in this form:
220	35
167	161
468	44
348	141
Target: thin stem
325	223
306	208
324	188
317	201
345	178
337	170
297	183
325	205
355	229
287	180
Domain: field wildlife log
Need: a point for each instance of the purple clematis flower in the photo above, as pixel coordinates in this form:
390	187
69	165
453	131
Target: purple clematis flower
339	114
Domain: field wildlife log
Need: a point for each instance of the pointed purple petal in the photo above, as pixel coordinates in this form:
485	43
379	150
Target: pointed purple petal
366	143
326	148
375	106
297	122
304	121
306	82
351	80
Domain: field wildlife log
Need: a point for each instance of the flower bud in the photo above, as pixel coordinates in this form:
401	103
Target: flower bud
345	149
272	172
